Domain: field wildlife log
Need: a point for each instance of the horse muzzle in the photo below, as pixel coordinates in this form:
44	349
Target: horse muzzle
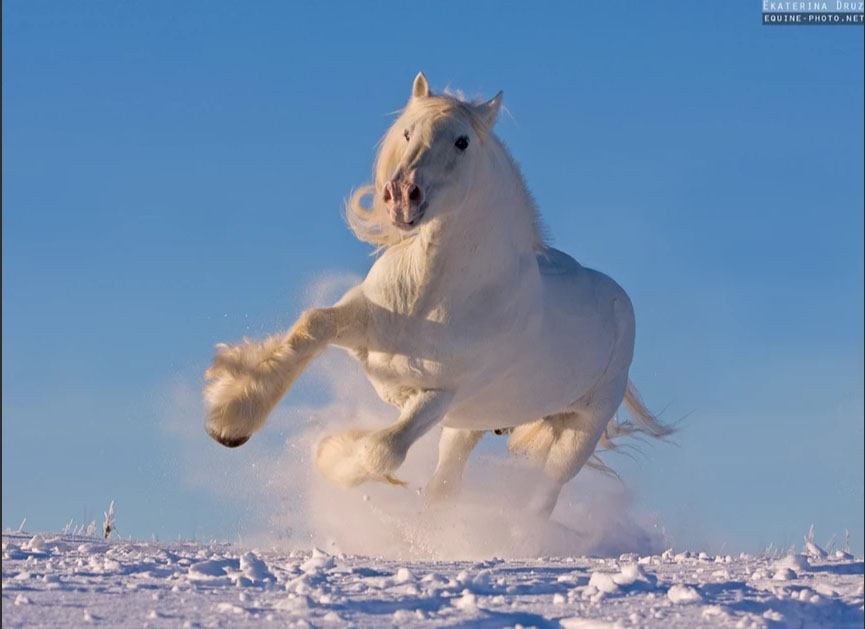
406	203
409	220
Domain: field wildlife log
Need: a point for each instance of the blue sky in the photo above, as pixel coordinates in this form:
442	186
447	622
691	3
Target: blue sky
173	175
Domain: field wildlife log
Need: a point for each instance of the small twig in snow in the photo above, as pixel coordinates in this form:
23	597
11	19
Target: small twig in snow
108	525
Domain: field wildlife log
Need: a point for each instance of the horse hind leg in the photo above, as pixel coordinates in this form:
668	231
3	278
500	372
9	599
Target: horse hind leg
455	446
561	444
558	445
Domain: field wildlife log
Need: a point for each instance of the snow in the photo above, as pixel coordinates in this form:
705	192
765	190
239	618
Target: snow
793	562
683	594
69	581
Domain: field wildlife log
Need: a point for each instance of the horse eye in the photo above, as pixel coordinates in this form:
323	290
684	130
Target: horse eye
462	143
405	135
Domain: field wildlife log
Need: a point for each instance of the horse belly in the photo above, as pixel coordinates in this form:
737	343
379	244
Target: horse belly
541	385
583	327
510	402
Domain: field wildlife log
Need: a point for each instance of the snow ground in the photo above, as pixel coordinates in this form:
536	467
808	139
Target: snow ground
71	581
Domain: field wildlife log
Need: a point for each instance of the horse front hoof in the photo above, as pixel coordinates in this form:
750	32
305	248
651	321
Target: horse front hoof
391	480
356	456
338	458
228	442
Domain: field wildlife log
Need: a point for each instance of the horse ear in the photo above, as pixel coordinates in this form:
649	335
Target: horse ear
420	88
489	110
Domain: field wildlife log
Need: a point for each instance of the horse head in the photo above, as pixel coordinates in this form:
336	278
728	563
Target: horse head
427	164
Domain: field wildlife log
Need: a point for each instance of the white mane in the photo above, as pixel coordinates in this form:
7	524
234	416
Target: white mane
373	225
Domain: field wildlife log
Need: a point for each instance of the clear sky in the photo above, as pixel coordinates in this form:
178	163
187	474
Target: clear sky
173	175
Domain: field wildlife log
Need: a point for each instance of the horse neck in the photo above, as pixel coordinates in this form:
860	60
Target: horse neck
487	239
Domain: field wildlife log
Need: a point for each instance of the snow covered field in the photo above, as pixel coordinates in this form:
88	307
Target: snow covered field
70	581
394	560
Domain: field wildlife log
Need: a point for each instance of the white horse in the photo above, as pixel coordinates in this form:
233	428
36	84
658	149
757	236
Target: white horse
466	319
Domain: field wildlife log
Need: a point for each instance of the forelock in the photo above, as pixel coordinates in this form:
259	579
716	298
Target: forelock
449	104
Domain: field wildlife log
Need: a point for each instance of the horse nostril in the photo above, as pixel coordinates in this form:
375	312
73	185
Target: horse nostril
387	196
415	194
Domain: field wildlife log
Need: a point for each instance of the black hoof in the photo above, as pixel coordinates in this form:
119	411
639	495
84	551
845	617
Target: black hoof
228	442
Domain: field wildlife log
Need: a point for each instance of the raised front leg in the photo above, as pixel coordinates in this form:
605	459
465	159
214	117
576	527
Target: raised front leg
355	456
247	380
455	446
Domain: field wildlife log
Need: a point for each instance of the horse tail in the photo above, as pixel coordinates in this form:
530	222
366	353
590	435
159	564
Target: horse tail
643	419
640	420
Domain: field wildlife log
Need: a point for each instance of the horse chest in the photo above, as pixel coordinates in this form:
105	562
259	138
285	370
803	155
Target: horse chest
444	325
439	342
428	349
